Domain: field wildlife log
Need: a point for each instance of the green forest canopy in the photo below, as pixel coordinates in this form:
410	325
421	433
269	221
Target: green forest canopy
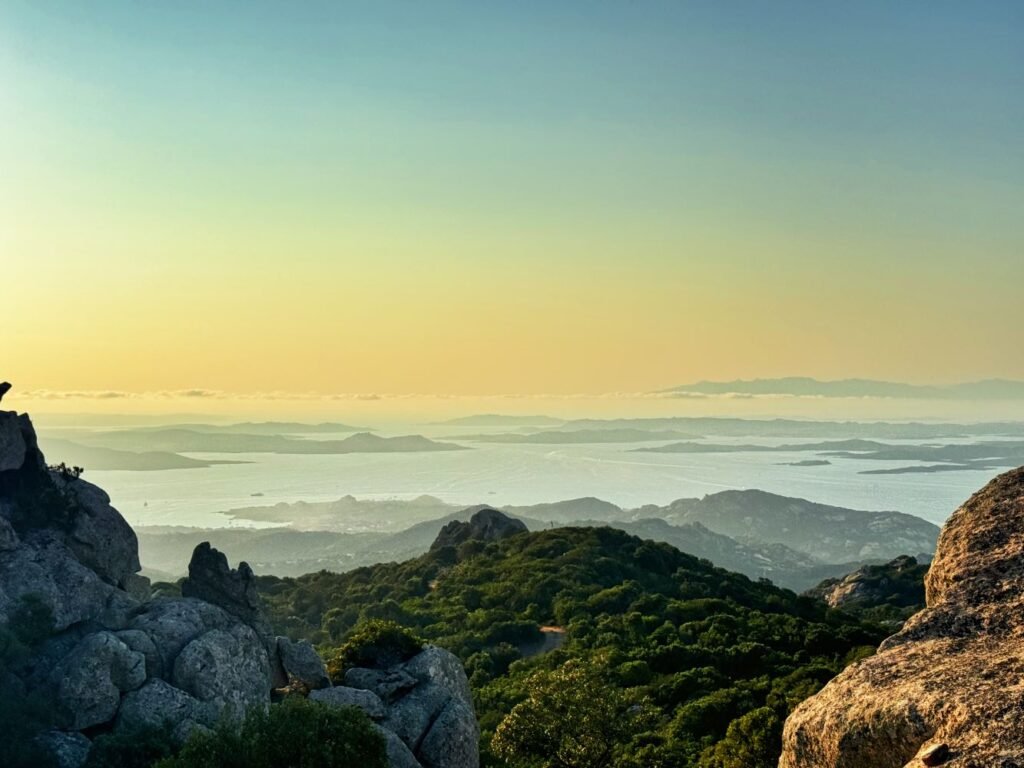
704	664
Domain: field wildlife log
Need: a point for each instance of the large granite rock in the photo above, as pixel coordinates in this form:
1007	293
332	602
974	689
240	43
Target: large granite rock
423	707
211	579
486	525
159	702
67	749
302	664
43	566
452	740
12	443
100	538
171	624
228	667
425	703
343	696
87	683
952	676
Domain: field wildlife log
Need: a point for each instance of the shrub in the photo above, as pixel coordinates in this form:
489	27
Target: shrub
297	733
23	715
752	741
377	643
46	502
131	748
571	718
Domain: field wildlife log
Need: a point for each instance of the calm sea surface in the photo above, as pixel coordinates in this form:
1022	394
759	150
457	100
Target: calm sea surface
522	474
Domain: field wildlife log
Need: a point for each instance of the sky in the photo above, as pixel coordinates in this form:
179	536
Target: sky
458	199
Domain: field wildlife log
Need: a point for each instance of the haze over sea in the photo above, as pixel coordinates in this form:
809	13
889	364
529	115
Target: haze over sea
521	474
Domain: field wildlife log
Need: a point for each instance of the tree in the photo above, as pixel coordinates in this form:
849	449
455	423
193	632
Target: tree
572	719
297	733
752	741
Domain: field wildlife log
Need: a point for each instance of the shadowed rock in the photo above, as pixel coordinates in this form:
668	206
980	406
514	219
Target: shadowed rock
210	579
423	706
486	525
302	664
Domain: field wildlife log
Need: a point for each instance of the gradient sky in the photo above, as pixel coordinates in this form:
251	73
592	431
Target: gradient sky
528	197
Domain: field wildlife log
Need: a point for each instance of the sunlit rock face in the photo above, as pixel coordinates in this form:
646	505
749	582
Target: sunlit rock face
947	689
116	659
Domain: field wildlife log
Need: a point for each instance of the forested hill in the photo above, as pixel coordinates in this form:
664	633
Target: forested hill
691	665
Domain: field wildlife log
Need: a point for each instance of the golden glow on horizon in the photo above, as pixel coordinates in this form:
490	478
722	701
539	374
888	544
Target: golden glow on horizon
286	218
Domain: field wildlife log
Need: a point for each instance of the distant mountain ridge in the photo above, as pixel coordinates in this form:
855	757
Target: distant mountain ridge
794	542
803	386
831	534
501	420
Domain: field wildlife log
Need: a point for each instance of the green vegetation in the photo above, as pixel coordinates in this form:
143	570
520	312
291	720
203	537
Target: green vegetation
42	501
23	715
374	643
572	718
297	732
131	748
705	664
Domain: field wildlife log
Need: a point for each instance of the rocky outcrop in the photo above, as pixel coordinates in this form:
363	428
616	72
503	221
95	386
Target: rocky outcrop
114	659
12	443
423	707
946	689
899	583
486	525
211	579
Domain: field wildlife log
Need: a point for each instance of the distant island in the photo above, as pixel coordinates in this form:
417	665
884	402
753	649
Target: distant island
801	386
579	436
94	457
953	457
179	440
714	426
269	428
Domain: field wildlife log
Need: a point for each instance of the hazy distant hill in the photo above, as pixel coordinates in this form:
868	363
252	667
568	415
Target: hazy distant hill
178	440
94	457
830	445
289	552
831	534
501	420
826	533
955	456
987	389
580	436
793	542
269	428
710	426
348	514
